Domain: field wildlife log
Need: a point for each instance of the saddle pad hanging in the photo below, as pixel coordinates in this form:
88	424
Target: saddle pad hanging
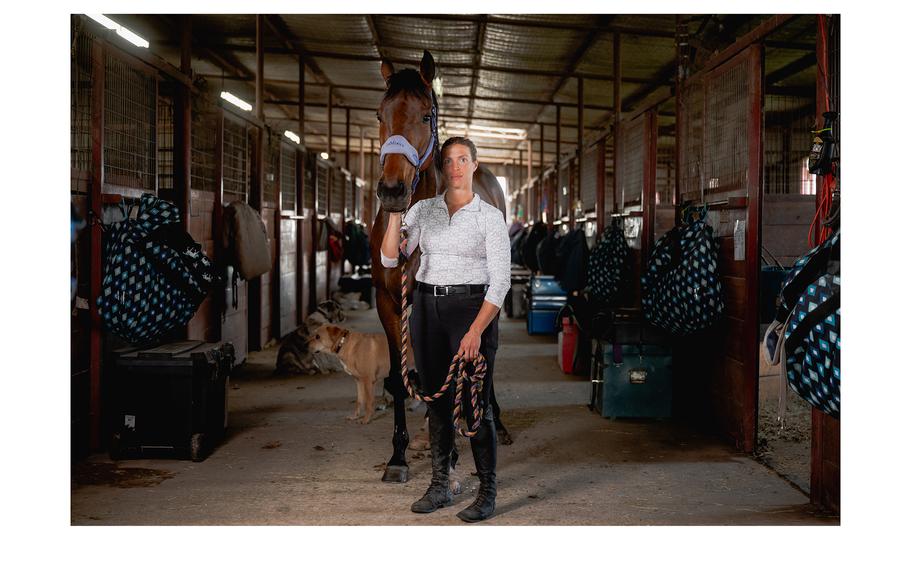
149	287
608	268
681	288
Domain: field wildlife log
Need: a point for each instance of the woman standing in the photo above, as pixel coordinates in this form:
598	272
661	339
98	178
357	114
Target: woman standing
463	278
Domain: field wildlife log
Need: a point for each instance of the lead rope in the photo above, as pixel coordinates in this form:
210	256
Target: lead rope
458	371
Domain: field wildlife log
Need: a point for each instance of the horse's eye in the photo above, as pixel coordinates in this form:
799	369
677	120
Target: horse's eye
426	118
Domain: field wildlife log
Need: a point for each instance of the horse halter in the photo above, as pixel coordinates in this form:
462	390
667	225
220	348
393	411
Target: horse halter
398	144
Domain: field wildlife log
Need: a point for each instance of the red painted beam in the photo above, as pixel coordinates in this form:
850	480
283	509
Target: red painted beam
96	208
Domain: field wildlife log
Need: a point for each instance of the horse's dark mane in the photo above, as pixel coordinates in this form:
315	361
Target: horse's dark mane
408	81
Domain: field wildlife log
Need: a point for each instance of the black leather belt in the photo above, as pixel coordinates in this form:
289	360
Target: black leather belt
449	290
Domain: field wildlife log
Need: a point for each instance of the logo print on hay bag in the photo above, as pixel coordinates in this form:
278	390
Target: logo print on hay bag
681	289
150	287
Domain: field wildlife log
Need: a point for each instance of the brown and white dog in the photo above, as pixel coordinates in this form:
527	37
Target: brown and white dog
364	356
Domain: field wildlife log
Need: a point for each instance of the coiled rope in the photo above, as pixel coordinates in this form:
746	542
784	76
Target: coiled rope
458	370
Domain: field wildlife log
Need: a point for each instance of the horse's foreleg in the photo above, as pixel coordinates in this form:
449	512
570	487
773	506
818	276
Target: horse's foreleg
396	470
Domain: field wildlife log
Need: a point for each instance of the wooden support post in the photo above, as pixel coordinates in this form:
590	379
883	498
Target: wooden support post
96	208
619	203
574	191
303	308
650	182
600	206
541	187
254	289
219	305
347	139
183	122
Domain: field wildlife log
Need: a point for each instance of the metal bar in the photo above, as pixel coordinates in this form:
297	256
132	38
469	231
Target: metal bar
276	274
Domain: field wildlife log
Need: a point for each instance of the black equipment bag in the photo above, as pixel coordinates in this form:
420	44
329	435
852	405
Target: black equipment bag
548	252
681	288
529	247
573	255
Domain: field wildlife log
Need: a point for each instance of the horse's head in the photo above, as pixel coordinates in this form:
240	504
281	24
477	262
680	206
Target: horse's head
407	130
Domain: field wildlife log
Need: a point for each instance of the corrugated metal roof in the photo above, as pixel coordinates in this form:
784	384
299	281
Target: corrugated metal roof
525	56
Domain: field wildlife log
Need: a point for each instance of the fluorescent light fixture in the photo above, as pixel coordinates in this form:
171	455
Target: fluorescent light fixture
291	136
495	132
123	32
104	21
236	101
324	155
132	37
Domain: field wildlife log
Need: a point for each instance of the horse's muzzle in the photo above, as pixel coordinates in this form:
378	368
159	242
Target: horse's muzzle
393	199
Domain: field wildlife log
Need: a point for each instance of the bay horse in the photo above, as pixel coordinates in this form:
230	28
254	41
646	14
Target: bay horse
410	162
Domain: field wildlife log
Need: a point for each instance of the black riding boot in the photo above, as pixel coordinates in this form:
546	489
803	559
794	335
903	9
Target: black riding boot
442	438
483	446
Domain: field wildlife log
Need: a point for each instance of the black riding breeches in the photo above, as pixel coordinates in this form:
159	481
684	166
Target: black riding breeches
438	324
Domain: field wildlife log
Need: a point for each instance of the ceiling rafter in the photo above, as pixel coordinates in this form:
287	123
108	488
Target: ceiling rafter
575	60
475	71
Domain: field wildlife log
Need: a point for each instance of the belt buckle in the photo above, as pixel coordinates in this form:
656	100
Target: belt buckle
445	290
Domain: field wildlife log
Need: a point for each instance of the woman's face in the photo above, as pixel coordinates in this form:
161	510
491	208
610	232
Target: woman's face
458	167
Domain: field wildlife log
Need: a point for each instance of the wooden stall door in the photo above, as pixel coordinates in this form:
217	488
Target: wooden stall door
721	162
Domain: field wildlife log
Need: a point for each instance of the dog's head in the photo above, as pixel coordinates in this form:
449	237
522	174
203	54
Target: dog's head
325	338
332	311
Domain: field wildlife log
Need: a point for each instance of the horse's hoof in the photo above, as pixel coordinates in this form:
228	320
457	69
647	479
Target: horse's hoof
395	474
504	438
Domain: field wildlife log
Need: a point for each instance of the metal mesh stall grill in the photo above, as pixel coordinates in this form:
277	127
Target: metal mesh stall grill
666	170
80	110
726	150
165	145
235	170
691	134
271	181
588	194
788	122
338	184
203	139
348	197
129	126
562	198
322	188
632	178
288	177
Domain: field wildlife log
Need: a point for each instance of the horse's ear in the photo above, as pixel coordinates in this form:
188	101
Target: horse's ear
427	68
387	70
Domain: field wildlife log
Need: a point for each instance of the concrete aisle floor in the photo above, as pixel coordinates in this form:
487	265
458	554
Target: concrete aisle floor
291	458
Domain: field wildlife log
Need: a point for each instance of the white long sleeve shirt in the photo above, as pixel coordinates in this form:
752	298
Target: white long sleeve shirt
470	248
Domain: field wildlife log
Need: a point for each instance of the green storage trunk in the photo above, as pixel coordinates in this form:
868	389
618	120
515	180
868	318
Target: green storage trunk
632	380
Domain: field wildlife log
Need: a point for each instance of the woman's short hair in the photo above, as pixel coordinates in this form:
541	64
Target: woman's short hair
464	141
